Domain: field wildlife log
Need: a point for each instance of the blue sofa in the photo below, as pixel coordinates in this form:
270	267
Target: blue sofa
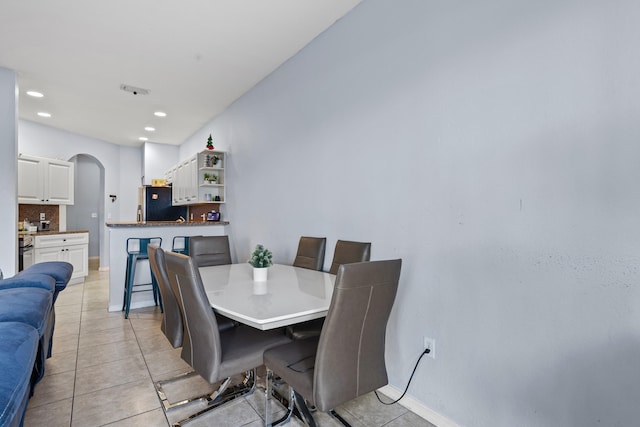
27	321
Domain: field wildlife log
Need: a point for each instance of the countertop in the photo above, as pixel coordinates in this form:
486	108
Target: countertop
132	224
50	232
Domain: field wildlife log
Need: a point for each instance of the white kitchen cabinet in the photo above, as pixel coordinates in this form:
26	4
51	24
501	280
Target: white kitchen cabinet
45	181
189	185
70	247
185	182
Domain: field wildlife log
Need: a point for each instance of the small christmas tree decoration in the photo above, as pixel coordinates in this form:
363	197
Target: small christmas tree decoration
210	142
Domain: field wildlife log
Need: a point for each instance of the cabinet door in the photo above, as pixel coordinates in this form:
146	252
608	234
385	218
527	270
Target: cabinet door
48	254
58	182
78	256
30	180
192	179
179	183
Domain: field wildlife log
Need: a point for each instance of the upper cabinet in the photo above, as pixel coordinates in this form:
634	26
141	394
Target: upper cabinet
184	188
199	179
44	181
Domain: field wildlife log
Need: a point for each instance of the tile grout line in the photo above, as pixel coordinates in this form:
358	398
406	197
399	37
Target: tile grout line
144	359
75	372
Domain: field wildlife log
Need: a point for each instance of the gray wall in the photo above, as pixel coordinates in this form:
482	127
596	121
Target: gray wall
87	212
494	147
9	171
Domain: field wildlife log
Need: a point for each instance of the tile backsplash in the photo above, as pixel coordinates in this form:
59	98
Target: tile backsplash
197	210
32	213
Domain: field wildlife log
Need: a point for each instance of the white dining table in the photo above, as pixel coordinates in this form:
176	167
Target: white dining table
289	295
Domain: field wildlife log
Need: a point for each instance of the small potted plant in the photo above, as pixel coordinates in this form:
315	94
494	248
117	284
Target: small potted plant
261	260
217	161
210	178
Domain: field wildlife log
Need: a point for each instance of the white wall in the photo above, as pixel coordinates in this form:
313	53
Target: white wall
493	146
8	172
157	159
122	170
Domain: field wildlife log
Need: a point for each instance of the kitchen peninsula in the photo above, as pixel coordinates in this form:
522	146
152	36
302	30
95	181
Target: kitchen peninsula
119	232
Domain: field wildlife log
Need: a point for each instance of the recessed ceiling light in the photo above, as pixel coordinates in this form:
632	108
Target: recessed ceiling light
149	129
143	138
160	114
43	114
34	94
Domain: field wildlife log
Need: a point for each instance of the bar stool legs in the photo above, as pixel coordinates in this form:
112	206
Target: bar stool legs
135	255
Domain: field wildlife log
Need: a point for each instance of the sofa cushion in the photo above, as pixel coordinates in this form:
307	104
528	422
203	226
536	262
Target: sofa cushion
29	280
18	345
61	271
27	305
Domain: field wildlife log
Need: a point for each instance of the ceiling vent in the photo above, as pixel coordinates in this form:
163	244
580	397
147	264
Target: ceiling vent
134	90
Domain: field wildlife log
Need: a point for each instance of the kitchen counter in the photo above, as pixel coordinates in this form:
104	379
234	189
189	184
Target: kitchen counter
49	232
131	224
119	232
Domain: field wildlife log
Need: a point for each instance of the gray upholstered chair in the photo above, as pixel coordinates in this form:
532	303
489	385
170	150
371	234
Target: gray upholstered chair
172	321
215	355
172	318
347	252
210	250
310	253
347	360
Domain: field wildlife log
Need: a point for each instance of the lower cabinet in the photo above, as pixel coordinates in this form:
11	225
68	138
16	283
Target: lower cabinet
72	248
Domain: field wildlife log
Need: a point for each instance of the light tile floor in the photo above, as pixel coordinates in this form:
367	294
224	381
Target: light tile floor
103	370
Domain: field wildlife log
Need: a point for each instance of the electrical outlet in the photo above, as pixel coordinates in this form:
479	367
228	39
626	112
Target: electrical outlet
42	216
430	343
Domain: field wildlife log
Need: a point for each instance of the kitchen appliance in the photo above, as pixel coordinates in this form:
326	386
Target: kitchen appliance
44	226
156	205
213	216
25	252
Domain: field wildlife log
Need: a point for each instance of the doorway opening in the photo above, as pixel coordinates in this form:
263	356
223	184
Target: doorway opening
87	212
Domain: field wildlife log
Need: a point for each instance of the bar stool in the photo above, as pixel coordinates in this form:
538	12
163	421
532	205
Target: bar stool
180	245
137	251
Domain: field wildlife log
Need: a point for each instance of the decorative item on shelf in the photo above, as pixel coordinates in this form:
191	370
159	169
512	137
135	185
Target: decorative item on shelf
216	199
216	161
210	143
210	178
261	260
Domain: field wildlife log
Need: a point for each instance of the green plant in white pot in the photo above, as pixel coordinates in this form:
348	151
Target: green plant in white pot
261	259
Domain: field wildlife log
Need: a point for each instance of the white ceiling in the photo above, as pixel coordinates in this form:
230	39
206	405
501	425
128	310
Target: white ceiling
194	56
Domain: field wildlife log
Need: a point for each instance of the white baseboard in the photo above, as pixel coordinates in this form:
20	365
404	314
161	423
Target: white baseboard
418	407
103	268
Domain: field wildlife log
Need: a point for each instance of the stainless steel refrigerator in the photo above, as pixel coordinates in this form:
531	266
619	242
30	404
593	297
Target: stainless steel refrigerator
155	203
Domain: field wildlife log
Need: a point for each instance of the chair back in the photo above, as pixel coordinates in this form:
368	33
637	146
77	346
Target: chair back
180	244
201	343
138	245
172	317
310	253
210	250
347	252
350	357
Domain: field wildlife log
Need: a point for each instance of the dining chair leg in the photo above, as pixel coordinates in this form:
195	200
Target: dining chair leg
288	402
342	421
223	394
302	407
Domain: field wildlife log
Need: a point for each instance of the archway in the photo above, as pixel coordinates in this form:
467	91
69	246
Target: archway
87	212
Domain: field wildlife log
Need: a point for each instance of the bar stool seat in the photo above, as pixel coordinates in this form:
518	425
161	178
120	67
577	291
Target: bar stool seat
137	251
